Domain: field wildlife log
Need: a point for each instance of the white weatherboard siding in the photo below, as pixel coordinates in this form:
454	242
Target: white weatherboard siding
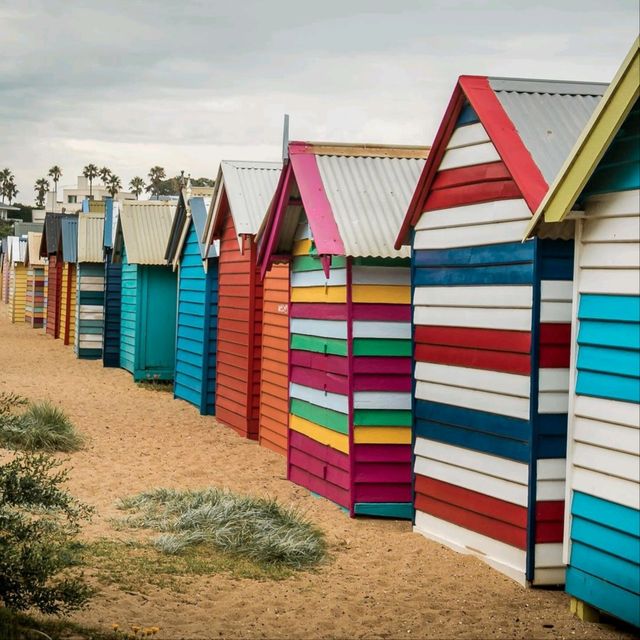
320	328
474	215
373	329
381	400
325	399
556	301
480	296
499	318
469	135
470	236
337	277
381	275
606	434
470	155
550	483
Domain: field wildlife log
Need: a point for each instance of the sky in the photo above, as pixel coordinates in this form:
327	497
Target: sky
134	83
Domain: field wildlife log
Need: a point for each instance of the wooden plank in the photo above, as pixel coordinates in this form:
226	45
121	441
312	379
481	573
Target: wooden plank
618	204
323	328
475	358
608	281
337	277
320	434
381	294
395	276
477	318
328	346
470	155
508	297
320	398
618	464
491	339
319	294
382	435
381	347
369	329
319	311
610	230
381	312
471	235
381	400
607	435
553	380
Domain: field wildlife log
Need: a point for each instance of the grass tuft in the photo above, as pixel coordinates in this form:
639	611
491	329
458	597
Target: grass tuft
255	528
42	427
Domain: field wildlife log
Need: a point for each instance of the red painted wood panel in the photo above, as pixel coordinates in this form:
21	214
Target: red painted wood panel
472	194
555	345
382	492
491	339
382	452
318	379
488	172
54	284
549	521
519	363
274	389
382	382
382	312
318	311
551	333
382	365
319	361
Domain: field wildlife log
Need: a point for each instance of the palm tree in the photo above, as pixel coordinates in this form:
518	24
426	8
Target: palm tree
6	176
136	185
41	187
105	174
10	190
114	185
55	173
156	176
90	172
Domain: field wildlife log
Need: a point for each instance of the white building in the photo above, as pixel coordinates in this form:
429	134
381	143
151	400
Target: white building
73	196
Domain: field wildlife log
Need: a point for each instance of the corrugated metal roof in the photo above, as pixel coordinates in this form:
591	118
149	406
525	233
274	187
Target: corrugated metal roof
33	249
69	236
548	115
145	227
249	187
90	230
23	228
177	232
369	197
51	236
17	248
199	208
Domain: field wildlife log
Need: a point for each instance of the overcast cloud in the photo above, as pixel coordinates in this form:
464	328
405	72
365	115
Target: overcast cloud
129	84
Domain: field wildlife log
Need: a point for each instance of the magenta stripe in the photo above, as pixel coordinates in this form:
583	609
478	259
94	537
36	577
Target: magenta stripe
379	364
383	473
318	311
382	453
316	204
382	493
317	485
320	451
322	380
312	360
320	469
382	312
373	382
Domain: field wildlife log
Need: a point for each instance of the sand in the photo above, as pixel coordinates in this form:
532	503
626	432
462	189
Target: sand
381	580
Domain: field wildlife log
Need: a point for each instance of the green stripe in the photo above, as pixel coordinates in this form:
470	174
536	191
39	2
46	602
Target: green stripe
330	346
309	263
324	417
382	262
399	510
381	347
382	417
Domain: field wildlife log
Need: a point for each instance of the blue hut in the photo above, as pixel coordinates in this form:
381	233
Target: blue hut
112	288
148	297
197	314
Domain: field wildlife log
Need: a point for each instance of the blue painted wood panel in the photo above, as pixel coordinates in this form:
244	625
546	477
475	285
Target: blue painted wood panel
112	294
128	314
467	115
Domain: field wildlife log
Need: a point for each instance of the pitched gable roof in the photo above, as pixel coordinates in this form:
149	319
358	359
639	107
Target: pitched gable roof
69	237
32	256
90	230
531	123
50	242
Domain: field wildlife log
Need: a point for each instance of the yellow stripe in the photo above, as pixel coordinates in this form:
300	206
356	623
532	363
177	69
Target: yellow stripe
337	441
382	435
301	247
381	294
318	294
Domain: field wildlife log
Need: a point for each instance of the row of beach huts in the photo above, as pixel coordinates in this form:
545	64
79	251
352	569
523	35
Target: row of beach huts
449	334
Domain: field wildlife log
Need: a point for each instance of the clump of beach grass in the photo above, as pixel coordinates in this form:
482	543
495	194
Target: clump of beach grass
258	529
40	427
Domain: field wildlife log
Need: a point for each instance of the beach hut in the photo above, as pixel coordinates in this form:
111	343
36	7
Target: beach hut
599	188
335	217
89	286
197	314
491	325
51	249
242	196
68	281
148	296
17	247
35	310
4	258
112	289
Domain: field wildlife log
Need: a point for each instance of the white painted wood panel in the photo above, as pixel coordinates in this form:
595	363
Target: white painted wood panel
479	379
371	329
555	312
553	379
619	203
468	135
91	279
610	230
502	557
607	461
513	319
549	576
91	287
85	343
490	296
324	399
556	290
606	435
548	555
553	402
90	315
467	156
607	487
609	255
381	400
551	468
608	281
337	277
471	236
550	490
604	410
381	275
478	400
475	214
321	328
474	460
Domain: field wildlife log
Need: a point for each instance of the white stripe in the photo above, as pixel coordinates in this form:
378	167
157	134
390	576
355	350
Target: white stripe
619	203
381	400
324	399
322	328
479	379
381	275
478	400
337	277
489	297
512	319
606	487
549	576
483	463
611	463
556	290
471	236
558	312
606	435
482	213
609	255
470	134
553	380
551	468
605	410
611	230
369	329
548	554
91	287
550	490
467	156
553	402
607	281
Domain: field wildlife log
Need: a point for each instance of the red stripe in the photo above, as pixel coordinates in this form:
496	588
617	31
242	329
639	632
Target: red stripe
318	311
470	175
555	341
373	382
555	333
549	532
382	312
382	452
552	357
322	380
491	339
382	365
319	361
471	194
475	358
548	510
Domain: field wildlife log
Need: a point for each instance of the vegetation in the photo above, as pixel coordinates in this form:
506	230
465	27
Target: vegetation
41	427
41	188
156	175
39	522
136	184
90	172
105	174
113	185
55	173
8	188
244	526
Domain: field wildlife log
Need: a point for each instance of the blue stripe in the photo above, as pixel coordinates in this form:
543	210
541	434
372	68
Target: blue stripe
616	361
552	435
490	275
609	514
620	572
623	335
611	541
603	307
602	385
506	253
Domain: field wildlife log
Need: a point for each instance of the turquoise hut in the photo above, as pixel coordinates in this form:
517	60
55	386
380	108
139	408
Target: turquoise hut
197	313
112	286
148	298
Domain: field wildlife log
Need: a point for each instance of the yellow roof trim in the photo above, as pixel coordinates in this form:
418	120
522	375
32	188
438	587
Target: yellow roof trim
593	143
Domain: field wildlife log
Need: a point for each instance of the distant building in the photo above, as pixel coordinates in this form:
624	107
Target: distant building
72	196
6	211
37	215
